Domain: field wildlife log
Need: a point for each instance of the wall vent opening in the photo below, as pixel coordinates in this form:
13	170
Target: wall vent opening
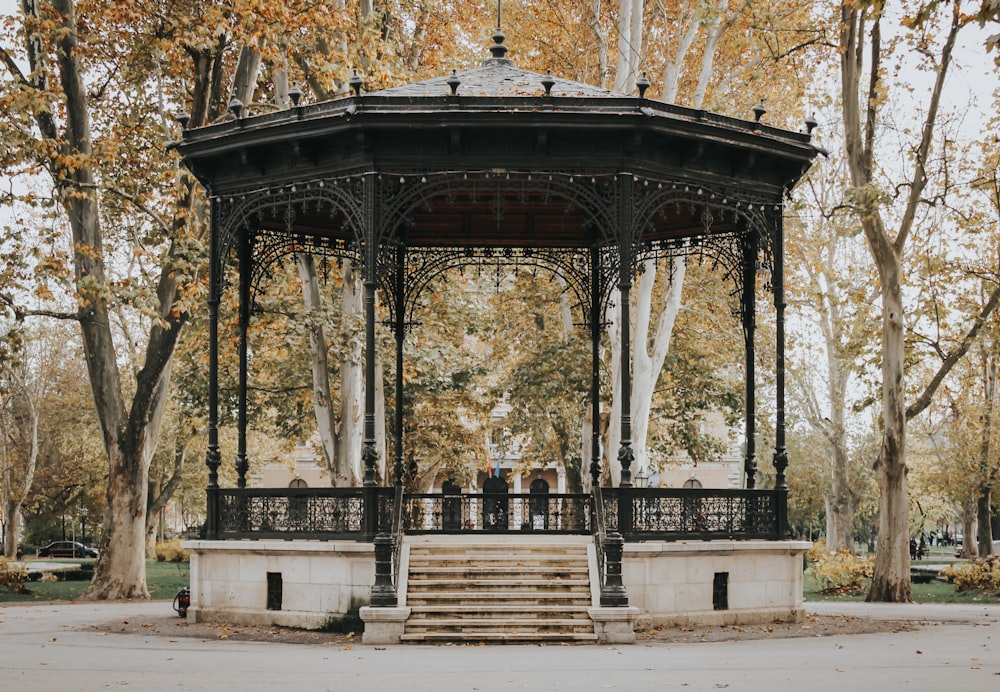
274	590
720	591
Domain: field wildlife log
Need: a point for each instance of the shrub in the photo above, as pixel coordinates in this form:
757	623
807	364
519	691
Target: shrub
817	552
171	551
13	575
840	572
976	574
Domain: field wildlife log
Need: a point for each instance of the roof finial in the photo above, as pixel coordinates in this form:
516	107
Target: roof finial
498	50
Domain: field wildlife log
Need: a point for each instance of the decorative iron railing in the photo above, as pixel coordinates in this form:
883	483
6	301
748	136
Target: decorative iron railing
635	514
317	513
670	514
497	513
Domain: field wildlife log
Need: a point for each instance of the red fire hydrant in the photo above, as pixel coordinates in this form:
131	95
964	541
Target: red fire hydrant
182	601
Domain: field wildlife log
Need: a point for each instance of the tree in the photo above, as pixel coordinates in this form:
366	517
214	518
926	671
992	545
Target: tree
71	471
446	401
81	113
683	42
865	101
829	290
18	440
542	370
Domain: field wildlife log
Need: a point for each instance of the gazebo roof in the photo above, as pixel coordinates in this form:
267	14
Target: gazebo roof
499	77
497	119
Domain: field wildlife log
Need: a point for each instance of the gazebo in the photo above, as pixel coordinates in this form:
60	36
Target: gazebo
493	165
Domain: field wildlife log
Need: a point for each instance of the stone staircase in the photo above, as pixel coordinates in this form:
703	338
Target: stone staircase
499	588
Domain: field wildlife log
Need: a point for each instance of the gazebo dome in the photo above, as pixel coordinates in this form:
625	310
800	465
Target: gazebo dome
498	119
499	77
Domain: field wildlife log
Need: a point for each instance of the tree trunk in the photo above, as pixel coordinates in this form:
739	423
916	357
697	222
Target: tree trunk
120	571
326	422
650	354
970	548
16	489
602	42
11	528
629	44
383	467
892	559
840	505
348	468
984	516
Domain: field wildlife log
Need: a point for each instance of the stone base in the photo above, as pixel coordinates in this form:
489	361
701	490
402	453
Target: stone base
719	618
307	584
714	582
383	625
614	625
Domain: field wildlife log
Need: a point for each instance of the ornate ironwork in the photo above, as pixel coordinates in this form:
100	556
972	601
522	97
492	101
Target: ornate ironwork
258	212
572	265
655	513
675	513
497	513
320	513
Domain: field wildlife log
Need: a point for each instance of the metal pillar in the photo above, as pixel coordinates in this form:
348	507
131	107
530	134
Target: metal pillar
595	365
244	253
625	212
780	450
212	457
369	455
400	328
748	313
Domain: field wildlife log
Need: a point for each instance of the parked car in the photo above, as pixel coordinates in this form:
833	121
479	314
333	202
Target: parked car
67	549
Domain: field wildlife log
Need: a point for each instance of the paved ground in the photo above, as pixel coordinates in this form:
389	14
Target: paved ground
47	647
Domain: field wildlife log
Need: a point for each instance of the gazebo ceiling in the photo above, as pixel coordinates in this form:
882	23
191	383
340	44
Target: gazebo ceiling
494	219
493	123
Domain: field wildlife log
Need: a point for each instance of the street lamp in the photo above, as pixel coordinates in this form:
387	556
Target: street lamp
83	525
641	480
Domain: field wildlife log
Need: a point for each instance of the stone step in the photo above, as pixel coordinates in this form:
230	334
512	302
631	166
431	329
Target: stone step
464	569
497	590
510	625
501	637
513	610
539	560
500	599
447	621
483	585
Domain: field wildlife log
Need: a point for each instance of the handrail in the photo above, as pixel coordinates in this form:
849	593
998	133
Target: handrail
634	514
600	533
609	550
670	514
397	532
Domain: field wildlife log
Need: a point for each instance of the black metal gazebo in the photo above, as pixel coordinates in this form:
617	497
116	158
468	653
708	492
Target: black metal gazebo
496	164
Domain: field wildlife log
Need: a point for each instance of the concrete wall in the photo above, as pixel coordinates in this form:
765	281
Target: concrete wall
321	581
672	583
669	583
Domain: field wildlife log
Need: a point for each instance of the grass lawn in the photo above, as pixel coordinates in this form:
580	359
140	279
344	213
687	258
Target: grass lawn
164	580
934	591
